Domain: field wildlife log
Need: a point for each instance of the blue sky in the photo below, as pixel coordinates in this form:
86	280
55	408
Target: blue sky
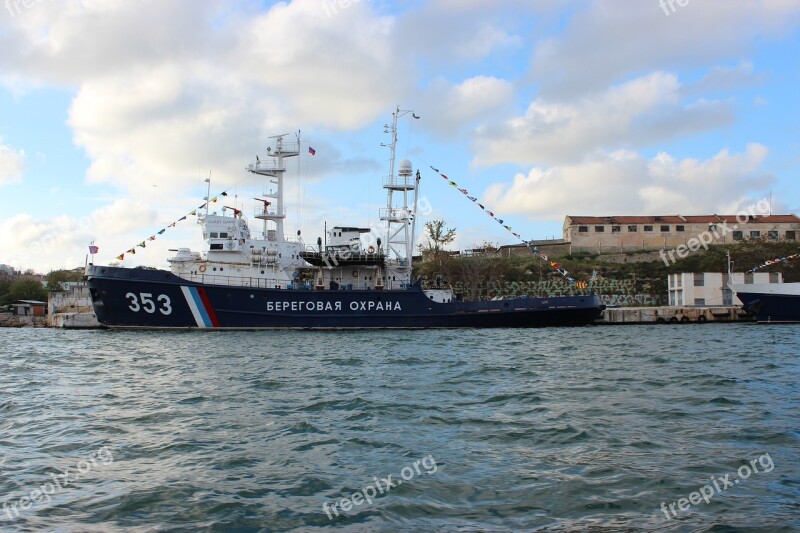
112	113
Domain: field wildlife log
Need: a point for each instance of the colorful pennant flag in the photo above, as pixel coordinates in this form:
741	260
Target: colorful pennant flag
500	221
143	244
771	262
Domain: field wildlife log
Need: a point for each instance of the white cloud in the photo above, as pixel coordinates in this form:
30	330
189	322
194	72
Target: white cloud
605	42
625	183
641	111
62	241
448	108
12	164
724	78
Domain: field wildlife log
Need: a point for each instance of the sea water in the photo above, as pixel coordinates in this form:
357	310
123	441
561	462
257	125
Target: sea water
675	428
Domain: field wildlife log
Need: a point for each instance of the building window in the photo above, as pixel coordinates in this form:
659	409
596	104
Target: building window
713	228
699	301
738	235
599	229
679	228
772	235
699	279
648	228
727	297
665	228
774	277
790	236
615	229
755	234
633	229
583	229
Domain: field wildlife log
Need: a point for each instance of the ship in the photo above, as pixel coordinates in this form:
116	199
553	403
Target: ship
356	278
773	303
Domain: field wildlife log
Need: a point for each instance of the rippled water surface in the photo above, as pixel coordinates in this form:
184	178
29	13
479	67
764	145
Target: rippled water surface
553	429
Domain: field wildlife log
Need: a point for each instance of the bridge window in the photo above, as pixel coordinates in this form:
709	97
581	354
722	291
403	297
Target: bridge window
214	235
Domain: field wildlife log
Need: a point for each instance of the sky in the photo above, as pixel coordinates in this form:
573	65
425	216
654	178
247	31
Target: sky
114	112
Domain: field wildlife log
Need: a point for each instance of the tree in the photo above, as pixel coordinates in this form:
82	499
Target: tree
27	289
56	277
437	237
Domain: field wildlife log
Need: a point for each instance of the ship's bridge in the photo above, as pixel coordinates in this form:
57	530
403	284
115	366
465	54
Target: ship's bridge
225	233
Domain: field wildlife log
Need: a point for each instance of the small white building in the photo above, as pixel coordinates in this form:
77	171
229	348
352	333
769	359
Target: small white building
713	288
71	307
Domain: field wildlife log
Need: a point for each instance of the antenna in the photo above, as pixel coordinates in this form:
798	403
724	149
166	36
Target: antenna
208	191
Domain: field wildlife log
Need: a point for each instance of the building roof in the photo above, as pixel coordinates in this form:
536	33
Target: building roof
678	219
30	302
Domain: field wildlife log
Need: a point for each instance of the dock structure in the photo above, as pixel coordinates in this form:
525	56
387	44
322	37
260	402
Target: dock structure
71	308
672	315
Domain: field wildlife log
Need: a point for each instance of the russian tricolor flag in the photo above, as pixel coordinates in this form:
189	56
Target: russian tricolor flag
312	151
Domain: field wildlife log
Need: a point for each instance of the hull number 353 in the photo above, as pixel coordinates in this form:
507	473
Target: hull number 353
144	301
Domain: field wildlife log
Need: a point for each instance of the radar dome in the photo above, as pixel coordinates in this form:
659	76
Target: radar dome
406	169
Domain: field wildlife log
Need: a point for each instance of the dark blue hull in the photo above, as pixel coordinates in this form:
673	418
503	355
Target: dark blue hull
137	298
771	308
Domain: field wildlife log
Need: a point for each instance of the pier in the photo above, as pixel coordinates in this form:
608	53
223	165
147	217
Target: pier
673	315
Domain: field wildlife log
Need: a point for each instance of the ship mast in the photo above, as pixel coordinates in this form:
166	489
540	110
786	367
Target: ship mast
397	215
275	171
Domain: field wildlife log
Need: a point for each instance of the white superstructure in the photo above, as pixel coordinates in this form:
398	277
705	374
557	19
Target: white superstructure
235	256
